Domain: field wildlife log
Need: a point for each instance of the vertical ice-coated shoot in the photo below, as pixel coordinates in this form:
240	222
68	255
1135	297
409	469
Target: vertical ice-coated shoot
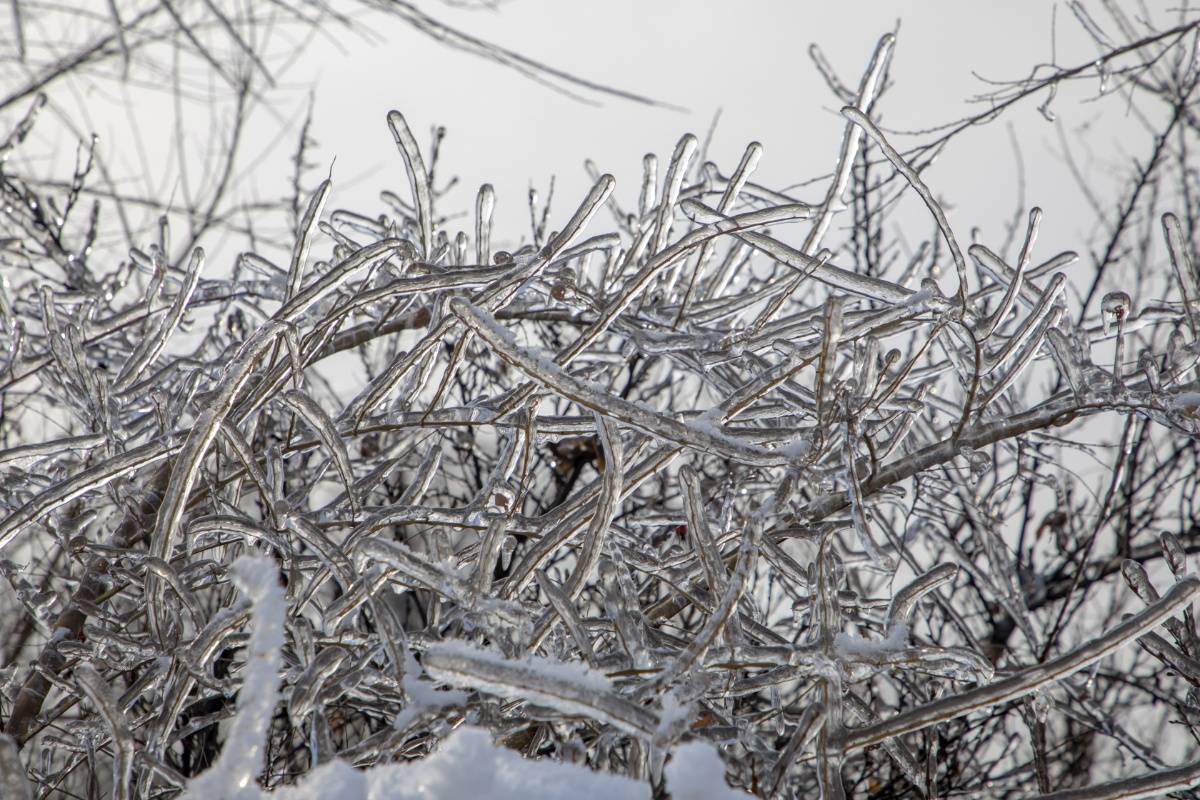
699	485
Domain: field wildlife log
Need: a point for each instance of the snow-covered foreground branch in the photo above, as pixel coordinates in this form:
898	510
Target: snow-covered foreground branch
467	764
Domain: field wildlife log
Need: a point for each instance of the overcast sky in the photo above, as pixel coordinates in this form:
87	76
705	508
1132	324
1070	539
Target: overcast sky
748	59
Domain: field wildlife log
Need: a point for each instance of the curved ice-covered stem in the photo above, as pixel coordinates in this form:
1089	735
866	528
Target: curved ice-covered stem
868	88
858	117
729	195
1185	271
569	688
807	728
323	425
186	469
713	225
418	178
676	170
499	292
725	609
93	686
825	272
597	530
82	482
152	344
1014	284
904	602
1152	784
707	438
304	236
1029	679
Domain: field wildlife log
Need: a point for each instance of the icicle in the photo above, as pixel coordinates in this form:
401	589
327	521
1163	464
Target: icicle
304	237
676	171
323	425
485	203
418	178
1116	305
1185	272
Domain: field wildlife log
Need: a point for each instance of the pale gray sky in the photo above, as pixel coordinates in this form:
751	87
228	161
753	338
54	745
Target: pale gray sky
748	58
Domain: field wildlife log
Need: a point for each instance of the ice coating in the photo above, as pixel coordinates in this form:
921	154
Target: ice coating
697	487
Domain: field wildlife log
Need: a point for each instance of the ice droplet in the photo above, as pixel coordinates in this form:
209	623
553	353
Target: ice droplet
1114	306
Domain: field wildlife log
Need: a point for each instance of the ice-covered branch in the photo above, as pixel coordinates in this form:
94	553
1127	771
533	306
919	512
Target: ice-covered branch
1031	678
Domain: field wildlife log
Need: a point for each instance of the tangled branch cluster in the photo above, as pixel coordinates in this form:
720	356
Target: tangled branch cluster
708	476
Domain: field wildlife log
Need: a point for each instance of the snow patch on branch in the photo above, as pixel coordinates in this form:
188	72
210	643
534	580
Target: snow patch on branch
849	646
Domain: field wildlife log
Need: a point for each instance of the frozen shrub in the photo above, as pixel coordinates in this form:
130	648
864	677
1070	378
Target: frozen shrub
720	499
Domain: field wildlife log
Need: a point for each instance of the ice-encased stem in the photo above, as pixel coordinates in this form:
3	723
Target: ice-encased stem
1152	784
304	236
723	613
895	747
88	441
676	170
485	203
322	424
1030	324
960	265
153	343
96	689
1181	260
498	293
807	727
90	479
738	180
606	506
565	608
418	178
699	533
1023	358
592	397
846	280
831	749
564	687
713	226
868	88
1014	285
1029	679
904	602
187	467
571	517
